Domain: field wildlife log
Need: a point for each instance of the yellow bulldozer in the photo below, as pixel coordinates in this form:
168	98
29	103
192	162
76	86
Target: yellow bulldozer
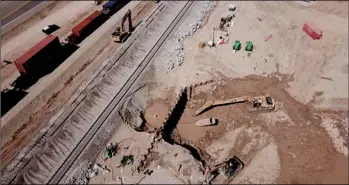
258	102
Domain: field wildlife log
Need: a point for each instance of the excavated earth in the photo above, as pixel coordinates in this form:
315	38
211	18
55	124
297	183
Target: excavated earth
296	133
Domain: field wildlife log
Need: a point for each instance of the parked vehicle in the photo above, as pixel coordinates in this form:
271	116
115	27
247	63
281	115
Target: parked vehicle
50	29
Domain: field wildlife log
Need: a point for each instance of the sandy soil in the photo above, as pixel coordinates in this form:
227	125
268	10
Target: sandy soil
288	67
57	101
14	43
304	140
164	161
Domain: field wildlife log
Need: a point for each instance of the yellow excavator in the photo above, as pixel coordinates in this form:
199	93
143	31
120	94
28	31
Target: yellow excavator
259	103
120	35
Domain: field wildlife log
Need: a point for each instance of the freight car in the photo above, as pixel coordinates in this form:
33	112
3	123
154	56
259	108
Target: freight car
113	6
86	27
36	60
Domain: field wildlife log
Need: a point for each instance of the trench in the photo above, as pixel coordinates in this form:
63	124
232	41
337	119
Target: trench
171	135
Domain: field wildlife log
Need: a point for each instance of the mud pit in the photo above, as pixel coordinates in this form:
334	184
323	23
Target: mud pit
268	142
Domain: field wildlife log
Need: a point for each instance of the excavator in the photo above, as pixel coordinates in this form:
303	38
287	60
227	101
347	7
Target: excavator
120	35
258	102
228	169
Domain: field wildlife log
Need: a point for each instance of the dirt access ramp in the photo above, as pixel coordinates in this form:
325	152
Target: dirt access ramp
56	97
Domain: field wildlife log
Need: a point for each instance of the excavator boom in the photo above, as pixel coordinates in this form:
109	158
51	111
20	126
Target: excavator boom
222	102
126	16
259	102
120	35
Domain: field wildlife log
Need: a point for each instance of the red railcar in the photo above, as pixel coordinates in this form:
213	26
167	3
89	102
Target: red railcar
33	61
87	26
312	30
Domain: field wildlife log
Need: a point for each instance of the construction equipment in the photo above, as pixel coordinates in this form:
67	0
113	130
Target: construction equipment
259	103
249	46
228	169
111	150
120	35
237	45
231	168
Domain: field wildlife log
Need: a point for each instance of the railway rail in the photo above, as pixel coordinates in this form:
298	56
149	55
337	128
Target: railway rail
55	123
84	122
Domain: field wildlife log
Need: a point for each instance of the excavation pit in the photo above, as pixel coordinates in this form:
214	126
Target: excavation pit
240	132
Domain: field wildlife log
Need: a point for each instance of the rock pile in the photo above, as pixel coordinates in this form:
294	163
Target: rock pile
196	19
86	172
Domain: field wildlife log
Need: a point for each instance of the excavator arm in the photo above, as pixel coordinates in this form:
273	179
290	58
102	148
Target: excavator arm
126	16
211	104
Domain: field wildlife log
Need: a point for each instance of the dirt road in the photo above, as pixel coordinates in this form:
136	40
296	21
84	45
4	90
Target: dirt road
57	102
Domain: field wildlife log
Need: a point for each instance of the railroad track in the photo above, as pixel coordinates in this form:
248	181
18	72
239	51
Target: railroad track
84	122
56	123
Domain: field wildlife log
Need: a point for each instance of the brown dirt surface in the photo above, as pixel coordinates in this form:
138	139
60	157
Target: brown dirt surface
304	138
38	119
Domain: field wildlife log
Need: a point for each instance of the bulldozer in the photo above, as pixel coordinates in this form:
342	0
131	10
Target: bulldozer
258	102
120	35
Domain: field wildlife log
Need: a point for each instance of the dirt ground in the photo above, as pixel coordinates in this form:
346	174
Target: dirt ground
21	38
163	161
305	138
247	133
15	141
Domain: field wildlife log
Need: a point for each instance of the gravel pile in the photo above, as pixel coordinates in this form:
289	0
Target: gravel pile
194	21
82	174
86	172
